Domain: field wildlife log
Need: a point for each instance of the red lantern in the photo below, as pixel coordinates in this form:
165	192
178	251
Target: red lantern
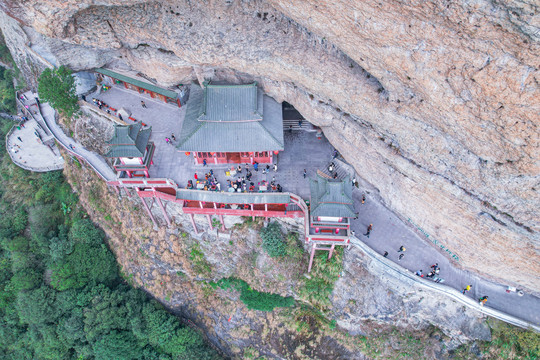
250	154
213	153
276	152
188	153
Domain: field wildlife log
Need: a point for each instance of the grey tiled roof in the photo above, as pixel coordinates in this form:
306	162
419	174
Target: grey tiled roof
331	198
128	141
139	83
231	136
231	103
233	198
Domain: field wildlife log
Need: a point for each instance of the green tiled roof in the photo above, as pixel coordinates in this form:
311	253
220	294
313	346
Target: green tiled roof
231	103
128	141
331	198
142	84
229	135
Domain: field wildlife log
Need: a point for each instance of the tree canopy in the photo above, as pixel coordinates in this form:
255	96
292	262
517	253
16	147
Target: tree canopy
57	87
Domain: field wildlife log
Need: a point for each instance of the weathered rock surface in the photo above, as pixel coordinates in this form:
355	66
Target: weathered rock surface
435	104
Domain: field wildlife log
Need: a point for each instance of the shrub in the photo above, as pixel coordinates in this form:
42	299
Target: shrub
57	87
254	299
319	287
273	242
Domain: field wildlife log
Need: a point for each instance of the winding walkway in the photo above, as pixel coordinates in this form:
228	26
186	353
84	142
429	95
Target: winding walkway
388	234
97	162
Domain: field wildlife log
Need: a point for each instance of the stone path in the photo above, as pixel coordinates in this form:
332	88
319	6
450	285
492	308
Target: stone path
96	161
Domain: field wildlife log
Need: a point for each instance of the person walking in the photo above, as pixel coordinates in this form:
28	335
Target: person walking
196	176
482	301
401	257
467	288
173	137
256	166
143	104
239	169
363	198
18	137
275	167
369	228
204	162
385	254
305	173
402	249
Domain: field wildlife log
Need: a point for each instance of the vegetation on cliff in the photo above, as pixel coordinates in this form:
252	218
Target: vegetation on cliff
61	296
8	71
57	87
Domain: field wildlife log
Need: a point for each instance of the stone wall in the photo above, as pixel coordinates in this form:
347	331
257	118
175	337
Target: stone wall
435	104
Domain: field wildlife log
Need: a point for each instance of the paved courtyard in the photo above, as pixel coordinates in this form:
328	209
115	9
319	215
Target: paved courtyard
28	151
302	149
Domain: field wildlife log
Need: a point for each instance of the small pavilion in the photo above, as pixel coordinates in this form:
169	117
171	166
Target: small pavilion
131	149
331	208
231	124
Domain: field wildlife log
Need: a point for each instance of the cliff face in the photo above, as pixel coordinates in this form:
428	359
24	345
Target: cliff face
435	104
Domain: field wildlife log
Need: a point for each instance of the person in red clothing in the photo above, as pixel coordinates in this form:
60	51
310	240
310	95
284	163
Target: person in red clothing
196	177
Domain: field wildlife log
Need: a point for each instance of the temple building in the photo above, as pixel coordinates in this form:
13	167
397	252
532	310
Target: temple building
231	124
331	210
110	77
131	149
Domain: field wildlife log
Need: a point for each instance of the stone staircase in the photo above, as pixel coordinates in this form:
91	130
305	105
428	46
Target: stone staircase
342	171
295	125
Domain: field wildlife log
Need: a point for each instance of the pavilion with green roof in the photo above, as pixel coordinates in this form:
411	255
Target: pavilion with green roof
231	124
331	208
131	148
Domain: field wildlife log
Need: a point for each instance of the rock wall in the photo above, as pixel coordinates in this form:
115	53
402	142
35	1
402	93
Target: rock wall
435	104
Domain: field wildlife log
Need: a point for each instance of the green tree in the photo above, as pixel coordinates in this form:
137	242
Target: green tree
273	241
57	87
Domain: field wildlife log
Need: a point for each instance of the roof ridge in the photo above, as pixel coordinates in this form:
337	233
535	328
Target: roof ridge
200	124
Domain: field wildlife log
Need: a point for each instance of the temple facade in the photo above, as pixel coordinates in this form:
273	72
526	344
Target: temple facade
231	124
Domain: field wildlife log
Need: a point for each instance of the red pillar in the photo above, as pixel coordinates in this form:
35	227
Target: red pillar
125	85
210	221
313	248
178	102
148	211
222	223
252	216
331	251
193	223
164	212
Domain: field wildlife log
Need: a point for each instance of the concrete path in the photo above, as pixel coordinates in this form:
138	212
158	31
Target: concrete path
389	233
96	161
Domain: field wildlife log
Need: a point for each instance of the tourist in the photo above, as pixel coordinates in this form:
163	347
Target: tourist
119	115
305	173
239	169
247	168
354	182
143	104
218	186
369	228
482	301
267	168
275	167
402	249
356	215
172	137
279	188
18	137
419	273
363	198
335	154
401	257
467	288
204	162
196	176
300	123
335	175
256	166
385	254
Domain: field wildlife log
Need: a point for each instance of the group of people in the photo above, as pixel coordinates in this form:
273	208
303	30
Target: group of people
433	274
210	182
